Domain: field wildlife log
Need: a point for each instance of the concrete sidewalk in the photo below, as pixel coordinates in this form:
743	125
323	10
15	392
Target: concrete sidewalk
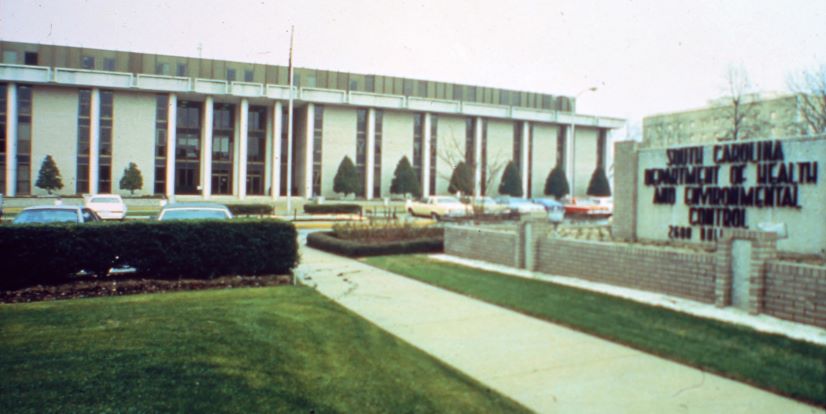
546	367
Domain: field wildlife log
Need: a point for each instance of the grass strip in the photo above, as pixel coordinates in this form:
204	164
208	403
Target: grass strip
786	366
269	350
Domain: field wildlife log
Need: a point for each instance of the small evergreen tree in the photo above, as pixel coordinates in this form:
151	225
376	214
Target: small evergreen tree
511	181
461	179
599	186
132	179
347	179
556	184
49	177
405	180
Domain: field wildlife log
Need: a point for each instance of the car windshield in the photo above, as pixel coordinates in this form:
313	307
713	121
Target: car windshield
193	214
105	200
46	216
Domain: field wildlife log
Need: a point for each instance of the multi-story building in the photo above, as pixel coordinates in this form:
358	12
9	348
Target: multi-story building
212	128
766	116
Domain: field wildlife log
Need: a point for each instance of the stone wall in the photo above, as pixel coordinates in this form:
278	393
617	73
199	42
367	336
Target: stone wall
624	220
796	292
681	273
494	246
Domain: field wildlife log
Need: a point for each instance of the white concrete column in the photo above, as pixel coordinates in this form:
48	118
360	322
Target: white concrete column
243	137
11	139
308	151
171	137
276	150
370	162
477	155
94	141
206	148
524	156
426	156
569	156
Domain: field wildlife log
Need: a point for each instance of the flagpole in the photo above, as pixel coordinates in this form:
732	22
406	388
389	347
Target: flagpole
290	130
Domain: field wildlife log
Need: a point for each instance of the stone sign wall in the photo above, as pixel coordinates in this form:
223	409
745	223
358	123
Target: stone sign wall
694	193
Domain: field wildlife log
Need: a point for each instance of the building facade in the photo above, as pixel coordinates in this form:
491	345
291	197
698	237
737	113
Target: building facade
772	116
212	129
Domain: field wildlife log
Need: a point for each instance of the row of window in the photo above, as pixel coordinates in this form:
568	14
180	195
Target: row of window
361	148
188	142
168	66
188	147
318	127
24	139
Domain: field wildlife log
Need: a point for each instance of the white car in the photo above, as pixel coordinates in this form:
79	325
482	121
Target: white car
107	206
438	207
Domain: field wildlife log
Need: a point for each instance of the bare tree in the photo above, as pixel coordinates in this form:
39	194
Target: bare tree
810	88
740	106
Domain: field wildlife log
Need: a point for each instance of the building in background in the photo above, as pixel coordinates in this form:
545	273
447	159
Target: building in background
766	116
211	128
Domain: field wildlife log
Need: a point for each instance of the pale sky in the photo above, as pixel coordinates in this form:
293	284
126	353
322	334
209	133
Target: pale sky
645	56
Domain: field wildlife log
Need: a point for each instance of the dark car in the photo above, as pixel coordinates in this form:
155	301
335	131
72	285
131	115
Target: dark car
56	214
194	211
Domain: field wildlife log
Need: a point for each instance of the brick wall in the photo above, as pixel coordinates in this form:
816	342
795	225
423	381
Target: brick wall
679	273
488	245
796	292
786	290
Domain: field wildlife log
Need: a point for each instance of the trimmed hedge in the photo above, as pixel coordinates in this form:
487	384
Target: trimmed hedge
332	208
328	242
251	209
51	254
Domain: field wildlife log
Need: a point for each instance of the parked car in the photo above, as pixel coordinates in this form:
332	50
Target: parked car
555	209
107	206
56	214
520	205
438	207
194	211
488	205
591	207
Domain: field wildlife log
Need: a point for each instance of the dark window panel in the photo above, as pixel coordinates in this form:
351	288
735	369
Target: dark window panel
30	58
87	62
377	153
470	137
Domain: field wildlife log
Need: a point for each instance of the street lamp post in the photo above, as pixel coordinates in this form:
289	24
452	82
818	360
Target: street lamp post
573	138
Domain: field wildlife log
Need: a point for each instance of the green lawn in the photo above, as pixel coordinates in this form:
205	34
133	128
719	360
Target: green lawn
786	366
280	349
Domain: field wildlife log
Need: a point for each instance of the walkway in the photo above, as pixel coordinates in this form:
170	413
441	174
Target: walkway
547	368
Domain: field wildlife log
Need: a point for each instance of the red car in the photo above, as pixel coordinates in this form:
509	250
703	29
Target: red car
591	207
